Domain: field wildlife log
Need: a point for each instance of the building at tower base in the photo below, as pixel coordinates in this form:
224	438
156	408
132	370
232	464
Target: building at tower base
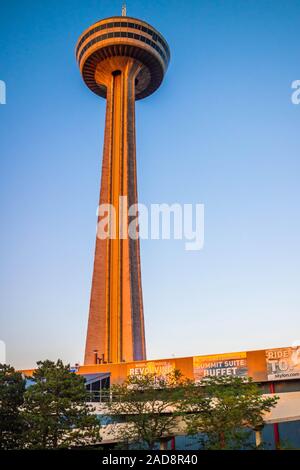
276	371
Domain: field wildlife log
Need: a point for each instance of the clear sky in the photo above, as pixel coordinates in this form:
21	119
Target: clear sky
221	130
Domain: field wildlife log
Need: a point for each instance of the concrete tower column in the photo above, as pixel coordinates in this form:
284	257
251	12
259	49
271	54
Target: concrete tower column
121	59
117	259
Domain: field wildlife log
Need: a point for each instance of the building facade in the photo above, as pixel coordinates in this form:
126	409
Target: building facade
276	371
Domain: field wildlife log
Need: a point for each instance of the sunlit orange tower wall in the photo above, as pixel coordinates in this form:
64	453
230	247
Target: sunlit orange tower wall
121	59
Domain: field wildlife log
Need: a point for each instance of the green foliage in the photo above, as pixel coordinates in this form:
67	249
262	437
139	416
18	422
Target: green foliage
53	413
224	409
148	406
55	409
12	388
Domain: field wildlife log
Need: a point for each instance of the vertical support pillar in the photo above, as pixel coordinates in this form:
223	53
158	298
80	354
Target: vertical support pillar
163	444
116	318
258	436
275	425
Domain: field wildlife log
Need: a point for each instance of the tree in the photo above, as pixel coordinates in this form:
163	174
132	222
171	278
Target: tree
148	407
12	388
225	409
55	409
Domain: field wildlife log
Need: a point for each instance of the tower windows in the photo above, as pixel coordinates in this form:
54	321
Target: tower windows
118	34
121	24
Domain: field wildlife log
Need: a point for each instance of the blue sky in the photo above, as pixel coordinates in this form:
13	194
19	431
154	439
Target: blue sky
221	131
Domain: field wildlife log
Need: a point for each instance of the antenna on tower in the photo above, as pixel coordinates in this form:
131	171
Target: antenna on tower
124	9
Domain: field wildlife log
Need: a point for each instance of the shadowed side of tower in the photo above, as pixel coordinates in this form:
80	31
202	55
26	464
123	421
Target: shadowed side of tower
117	64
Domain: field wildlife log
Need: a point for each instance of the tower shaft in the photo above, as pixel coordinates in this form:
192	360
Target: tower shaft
116	319
122	59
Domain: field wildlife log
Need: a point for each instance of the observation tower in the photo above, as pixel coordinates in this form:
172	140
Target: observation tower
121	59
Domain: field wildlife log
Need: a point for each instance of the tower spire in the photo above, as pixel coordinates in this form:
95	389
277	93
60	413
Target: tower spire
124	9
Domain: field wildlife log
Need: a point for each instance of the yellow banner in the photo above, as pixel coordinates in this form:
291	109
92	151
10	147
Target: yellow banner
218	365
159	368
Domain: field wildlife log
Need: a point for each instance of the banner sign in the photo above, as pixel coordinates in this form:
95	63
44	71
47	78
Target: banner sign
159	368
234	364
283	363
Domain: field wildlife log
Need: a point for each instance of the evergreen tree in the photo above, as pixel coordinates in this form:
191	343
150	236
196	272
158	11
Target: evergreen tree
12	388
55	409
